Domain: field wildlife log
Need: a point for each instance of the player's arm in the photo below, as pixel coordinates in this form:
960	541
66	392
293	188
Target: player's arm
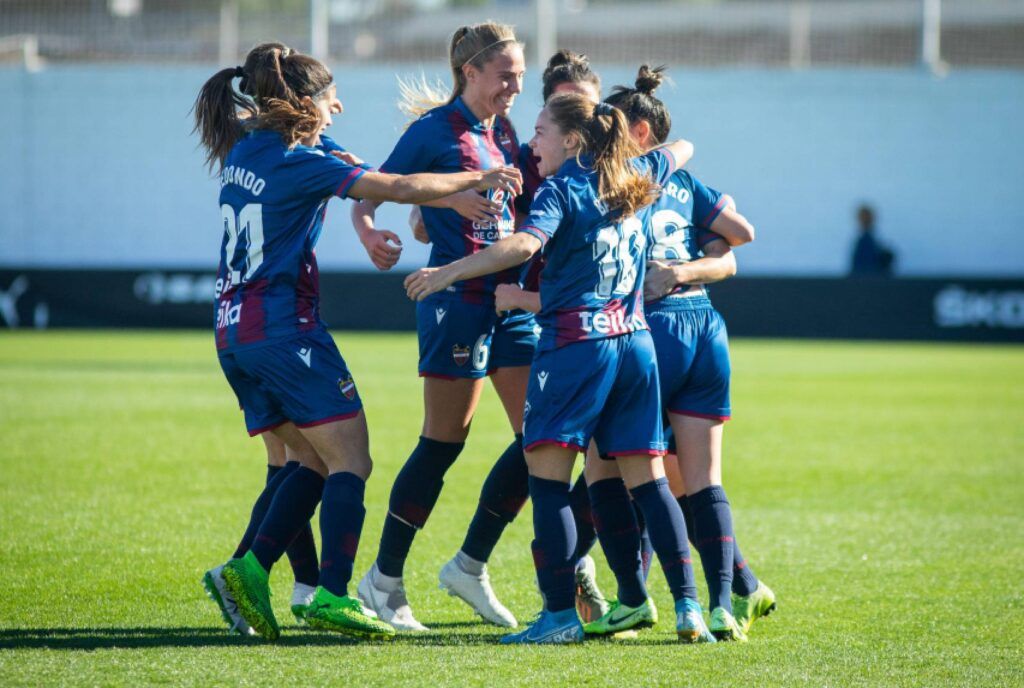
382	246
680	151
509	252
510	297
470	205
427	186
718	263
731	226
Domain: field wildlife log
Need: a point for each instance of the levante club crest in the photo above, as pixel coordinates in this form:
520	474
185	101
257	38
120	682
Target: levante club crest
460	354
347	387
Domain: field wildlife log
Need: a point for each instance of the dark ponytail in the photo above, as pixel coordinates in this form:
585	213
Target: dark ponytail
219	112
639	102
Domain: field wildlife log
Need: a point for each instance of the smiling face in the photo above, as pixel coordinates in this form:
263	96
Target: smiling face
551	145
492	89
328	104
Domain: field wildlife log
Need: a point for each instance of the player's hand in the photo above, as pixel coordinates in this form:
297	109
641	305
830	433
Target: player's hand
660	280
473	206
419	230
426	281
383	247
507	178
347	157
507	297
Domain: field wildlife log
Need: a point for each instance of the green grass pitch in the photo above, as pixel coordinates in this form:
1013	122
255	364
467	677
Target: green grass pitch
878	488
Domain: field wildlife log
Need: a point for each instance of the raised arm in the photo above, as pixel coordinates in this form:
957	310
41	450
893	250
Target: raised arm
733	227
681	152
511	251
423	187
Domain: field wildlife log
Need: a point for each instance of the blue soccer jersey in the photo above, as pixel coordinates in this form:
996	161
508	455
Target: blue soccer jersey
273	201
681	219
591	286
451	139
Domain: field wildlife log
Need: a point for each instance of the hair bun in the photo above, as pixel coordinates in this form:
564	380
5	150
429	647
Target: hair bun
648	79
568	57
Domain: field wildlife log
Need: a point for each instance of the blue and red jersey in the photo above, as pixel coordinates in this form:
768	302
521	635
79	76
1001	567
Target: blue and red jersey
450	138
273	201
681	219
591	286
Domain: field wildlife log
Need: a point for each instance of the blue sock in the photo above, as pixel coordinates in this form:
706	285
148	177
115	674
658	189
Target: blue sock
646	549
619	534
744	582
503	494
715	543
292	507
413	497
341	523
582	514
275	476
691	533
302	551
668	536
554	543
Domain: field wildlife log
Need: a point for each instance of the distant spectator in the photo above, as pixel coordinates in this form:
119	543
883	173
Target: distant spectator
869	256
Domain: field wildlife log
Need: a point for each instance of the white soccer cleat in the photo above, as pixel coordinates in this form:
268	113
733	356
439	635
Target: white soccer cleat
475	591
591	605
302	596
213	582
390	606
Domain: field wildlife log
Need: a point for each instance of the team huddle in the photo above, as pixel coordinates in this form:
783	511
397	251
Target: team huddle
570	270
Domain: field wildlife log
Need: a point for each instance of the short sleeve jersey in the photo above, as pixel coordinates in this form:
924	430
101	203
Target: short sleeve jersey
273	201
681	219
591	286
451	139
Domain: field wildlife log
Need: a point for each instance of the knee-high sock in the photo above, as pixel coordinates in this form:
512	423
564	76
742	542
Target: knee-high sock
744	582
341	523
290	510
554	543
619	534
413	497
715	543
582	514
668	535
275	476
503	494
646	549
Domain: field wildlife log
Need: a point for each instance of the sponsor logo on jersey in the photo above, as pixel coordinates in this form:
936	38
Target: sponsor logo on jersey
614	322
347	387
306	354
228	314
460	354
542	379
440	313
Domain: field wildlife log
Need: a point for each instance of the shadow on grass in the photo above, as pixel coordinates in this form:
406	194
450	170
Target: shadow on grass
146	637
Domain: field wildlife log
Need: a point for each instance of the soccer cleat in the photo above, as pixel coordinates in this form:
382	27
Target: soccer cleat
549	628
302	596
622	618
590	603
475	591
249	585
749	608
690	626
390	606
724	627
216	591
328	612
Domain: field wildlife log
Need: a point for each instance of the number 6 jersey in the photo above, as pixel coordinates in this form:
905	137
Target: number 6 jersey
272	202
591	286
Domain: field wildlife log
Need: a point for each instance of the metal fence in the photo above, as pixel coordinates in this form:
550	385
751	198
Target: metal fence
775	33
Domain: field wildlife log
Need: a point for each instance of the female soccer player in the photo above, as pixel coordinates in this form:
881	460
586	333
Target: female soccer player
461	340
274	350
589	218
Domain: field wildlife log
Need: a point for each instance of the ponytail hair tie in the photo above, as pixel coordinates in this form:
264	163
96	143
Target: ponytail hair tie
604	109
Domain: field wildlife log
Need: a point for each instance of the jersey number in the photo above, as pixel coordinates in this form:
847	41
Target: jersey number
668	228
614	253
247	227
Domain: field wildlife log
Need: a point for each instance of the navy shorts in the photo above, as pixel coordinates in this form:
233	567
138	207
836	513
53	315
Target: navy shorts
693	357
469	340
601	389
302	379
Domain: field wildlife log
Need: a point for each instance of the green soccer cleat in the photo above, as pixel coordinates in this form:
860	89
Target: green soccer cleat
690	626
328	612
724	627
249	584
622	618
591	605
752	607
216	591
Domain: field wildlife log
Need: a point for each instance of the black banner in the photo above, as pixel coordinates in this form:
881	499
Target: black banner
864	308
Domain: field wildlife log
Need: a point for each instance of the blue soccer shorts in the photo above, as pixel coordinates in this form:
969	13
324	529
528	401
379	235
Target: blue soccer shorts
302	379
601	389
469	340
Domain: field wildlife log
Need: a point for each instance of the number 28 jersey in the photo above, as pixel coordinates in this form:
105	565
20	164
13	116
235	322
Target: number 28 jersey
591	286
273	200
